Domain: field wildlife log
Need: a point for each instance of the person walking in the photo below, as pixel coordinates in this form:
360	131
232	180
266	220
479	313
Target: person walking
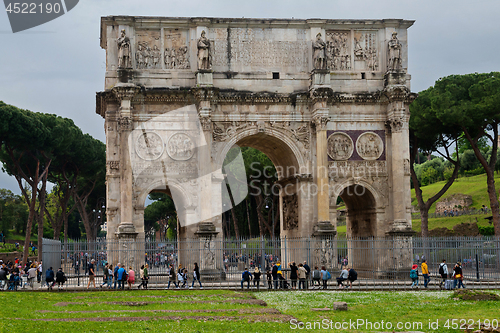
105	276
131	277
172	277
120	276
196	276
458	276
414	275
91	270
425	272
443	271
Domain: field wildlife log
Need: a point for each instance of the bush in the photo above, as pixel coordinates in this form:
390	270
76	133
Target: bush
487	231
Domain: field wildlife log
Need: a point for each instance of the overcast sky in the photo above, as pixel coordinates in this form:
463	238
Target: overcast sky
59	66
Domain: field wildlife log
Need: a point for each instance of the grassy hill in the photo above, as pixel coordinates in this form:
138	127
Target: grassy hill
474	186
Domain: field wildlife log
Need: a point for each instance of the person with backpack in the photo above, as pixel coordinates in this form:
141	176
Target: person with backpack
443	271
121	276
351	277
308	274
425	272
49	278
246	276
414	275
274	273
325	276
316	277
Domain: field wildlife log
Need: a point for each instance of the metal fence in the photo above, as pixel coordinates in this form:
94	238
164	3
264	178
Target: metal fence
222	261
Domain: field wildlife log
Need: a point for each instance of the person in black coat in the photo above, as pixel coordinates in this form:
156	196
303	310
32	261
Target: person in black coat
196	276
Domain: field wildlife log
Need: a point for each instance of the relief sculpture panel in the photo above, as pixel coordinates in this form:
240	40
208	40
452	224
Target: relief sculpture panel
365	51
290	212
340	146
338	51
147	52
176	55
149	146
369	146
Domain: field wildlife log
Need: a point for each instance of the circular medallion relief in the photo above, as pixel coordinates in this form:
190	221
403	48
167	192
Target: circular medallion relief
149	146
340	146
180	147
369	146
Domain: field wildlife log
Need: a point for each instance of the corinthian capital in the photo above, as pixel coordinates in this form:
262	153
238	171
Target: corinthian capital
320	122
125	92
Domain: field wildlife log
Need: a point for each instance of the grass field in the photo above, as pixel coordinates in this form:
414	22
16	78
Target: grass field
474	186
228	311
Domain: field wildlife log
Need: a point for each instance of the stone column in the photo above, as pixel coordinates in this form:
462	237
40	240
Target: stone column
398	117
319	97
125	232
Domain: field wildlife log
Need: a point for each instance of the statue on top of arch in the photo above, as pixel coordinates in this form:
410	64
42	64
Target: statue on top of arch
395	47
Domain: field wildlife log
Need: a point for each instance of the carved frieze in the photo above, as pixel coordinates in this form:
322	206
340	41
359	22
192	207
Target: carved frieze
206	123
290	212
176	54
225	130
163	168
147	52
340	146
301	134
357	169
338	50
180	147
365	51
369	146
149	146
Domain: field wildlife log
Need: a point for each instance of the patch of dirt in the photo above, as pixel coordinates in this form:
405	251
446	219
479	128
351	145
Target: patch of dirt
475	295
240	311
241	296
235	301
251	319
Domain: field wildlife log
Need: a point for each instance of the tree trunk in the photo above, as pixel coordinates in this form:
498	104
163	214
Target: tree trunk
235	223
41	195
490	173
247	205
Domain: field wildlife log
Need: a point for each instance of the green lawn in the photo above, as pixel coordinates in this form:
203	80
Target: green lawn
228	311
474	186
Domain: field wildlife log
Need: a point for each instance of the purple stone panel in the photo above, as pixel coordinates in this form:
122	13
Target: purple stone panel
354	134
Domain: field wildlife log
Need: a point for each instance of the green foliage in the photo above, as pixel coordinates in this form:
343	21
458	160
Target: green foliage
487	230
430	171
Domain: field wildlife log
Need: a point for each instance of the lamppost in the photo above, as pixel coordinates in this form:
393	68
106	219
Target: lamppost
270	199
99	211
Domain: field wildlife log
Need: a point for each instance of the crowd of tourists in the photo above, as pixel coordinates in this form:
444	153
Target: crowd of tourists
302	273
448	281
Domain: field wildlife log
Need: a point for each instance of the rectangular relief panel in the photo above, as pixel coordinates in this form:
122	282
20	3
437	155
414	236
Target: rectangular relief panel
338	50
259	49
366	55
176	53
147	49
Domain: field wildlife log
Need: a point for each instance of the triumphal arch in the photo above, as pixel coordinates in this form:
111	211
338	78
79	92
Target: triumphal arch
326	100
